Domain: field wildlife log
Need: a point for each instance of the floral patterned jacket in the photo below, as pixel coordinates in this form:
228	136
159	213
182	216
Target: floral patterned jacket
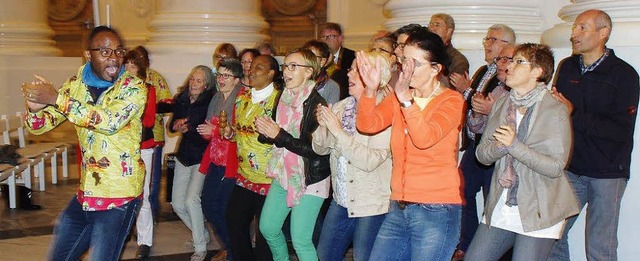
109	132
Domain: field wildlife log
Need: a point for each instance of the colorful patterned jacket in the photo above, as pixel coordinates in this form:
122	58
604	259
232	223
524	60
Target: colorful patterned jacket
109	132
163	94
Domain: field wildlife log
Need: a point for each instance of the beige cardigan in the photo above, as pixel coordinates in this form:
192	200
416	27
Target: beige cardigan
369	166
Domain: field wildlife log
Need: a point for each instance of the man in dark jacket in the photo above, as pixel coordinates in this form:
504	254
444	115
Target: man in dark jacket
601	91
342	57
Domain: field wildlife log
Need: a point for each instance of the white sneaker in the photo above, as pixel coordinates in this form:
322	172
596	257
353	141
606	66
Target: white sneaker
198	256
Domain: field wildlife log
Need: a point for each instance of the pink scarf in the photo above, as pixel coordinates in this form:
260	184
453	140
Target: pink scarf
284	165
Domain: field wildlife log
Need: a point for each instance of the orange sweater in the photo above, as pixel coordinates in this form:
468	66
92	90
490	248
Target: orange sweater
424	160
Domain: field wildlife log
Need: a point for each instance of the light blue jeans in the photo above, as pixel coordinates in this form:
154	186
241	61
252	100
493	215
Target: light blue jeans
490	244
419	232
303	218
339	231
185	200
603	212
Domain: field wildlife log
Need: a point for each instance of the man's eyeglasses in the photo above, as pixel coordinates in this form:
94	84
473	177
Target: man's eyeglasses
292	66
106	52
491	40
379	50
330	37
503	59
225	76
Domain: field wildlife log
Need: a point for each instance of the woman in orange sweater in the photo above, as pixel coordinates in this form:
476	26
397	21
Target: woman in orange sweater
423	222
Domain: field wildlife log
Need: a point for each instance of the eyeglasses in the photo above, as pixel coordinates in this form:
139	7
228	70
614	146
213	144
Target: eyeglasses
225	76
519	61
404	60
292	66
400	45
379	50
491	40
503	59
106	52
329	37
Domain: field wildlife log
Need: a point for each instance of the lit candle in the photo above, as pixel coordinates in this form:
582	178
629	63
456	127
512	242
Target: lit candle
96	14
108	17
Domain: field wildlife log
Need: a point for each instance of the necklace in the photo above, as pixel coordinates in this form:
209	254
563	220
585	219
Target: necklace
432	92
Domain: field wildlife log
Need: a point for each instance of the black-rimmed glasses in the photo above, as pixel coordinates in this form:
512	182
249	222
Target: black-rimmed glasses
292	66
106	52
379	50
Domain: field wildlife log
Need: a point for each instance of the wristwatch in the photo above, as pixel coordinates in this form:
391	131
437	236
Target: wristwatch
406	104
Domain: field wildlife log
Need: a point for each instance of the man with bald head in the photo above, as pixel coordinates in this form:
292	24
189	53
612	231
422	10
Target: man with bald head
105	103
478	93
601	92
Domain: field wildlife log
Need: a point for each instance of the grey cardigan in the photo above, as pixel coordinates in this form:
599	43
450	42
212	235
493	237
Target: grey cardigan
545	196
369	166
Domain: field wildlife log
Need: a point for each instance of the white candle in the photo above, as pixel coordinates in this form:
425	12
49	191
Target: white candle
96	14
108	17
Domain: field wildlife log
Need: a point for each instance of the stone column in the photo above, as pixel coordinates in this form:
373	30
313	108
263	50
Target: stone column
198	26
472	18
24	30
624	15
360	20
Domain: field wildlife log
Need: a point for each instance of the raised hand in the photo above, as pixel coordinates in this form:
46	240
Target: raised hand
267	127
369	73
460	81
561	98
205	129
481	104
504	135
39	93
402	90
329	119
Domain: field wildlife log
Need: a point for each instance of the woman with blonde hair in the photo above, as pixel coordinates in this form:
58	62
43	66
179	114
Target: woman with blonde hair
301	177
361	172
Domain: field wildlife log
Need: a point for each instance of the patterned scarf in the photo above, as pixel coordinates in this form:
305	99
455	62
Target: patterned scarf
348	121
284	165
508	177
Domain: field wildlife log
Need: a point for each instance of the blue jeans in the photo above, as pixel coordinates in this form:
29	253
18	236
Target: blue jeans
215	196
419	231
476	176
492	243
156	175
339	231
103	231
603	212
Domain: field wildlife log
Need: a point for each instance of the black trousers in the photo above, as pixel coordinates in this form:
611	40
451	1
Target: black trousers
243	206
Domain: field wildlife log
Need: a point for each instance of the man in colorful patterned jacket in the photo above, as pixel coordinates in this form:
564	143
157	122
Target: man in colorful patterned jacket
105	104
